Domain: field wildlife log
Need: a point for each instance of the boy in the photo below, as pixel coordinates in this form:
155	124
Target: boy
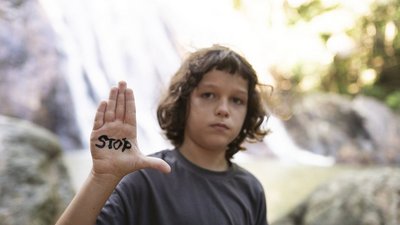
211	107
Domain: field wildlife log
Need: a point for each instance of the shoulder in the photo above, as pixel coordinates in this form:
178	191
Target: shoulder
246	178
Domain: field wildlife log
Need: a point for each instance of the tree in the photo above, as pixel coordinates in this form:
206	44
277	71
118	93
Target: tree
370	65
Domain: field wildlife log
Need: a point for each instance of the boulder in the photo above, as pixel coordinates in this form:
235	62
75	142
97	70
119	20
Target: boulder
32	80
34	184
368	197
358	131
383	126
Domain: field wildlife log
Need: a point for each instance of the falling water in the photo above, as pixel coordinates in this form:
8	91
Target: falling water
107	41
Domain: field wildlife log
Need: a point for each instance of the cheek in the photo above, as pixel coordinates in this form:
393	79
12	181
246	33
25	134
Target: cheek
241	117
196	107
240	114
193	113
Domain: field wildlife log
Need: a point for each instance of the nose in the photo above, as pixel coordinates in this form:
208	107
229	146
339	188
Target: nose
222	109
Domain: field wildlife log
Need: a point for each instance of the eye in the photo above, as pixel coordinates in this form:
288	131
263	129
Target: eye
238	101
207	95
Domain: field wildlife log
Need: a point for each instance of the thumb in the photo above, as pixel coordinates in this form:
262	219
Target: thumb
155	163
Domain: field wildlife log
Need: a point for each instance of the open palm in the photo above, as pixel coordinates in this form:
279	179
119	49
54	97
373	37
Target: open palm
113	142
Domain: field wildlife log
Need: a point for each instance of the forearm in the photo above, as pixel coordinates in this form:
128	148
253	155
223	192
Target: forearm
88	202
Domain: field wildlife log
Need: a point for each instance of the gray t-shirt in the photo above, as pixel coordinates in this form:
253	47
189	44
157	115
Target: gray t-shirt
189	195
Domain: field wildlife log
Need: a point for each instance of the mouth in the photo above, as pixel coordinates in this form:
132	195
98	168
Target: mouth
220	126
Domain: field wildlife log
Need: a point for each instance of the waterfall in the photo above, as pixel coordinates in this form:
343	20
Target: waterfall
287	151
142	42
103	42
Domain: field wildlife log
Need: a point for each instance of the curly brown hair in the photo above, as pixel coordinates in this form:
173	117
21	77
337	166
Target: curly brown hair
172	110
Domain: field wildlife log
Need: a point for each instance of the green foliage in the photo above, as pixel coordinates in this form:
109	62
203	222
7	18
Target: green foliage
306	12
374	90
393	100
377	48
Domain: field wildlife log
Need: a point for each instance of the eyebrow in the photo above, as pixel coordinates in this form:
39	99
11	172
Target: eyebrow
241	91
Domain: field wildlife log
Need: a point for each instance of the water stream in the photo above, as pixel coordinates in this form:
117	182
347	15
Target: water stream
104	42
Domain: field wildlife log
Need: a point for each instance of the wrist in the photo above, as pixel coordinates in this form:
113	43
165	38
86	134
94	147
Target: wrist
104	180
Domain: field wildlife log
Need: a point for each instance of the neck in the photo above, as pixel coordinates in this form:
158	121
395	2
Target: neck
207	159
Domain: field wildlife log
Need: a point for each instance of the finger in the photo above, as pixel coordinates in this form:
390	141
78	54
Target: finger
110	110
130	110
120	107
99	117
155	163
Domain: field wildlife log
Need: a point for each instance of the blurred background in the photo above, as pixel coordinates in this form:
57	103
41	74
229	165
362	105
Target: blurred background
332	157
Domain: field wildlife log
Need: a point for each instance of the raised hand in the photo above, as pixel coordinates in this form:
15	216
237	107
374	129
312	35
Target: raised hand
115	153
113	142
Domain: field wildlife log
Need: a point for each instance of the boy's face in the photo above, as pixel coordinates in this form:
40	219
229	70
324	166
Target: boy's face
217	109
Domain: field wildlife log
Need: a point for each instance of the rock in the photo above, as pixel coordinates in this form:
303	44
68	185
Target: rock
34	183
32	83
359	131
383	127
360	198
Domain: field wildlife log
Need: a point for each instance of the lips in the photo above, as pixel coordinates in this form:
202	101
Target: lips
220	126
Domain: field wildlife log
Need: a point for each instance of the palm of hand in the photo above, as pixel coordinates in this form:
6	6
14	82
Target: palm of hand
106	148
113	141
